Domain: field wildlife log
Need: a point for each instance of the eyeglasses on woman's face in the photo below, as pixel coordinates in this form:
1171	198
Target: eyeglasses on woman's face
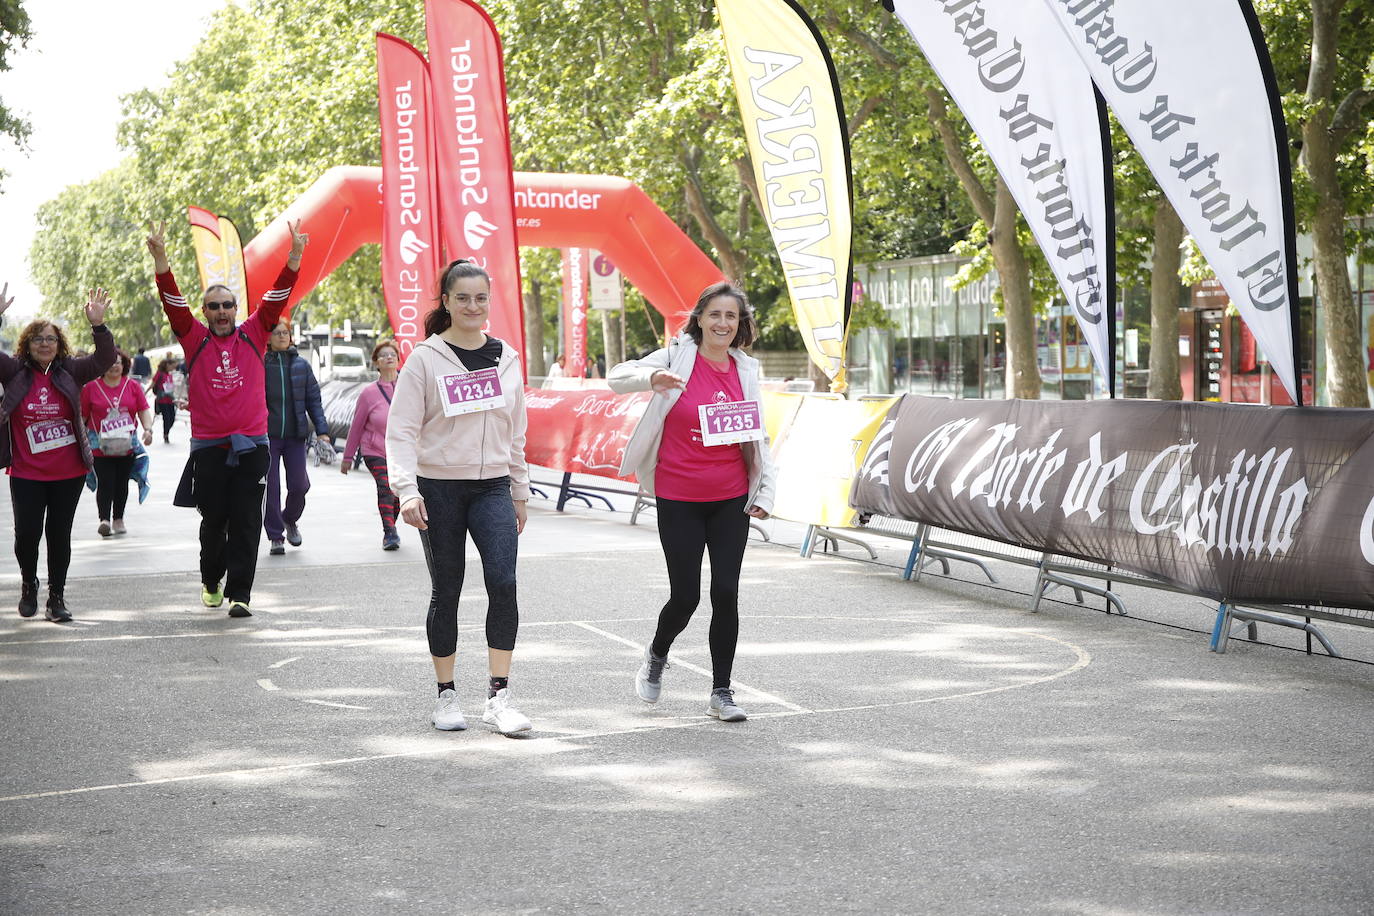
44	339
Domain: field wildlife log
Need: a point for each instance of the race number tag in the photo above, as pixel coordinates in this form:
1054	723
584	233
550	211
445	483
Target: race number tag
117	422
46	435
470	392
730	423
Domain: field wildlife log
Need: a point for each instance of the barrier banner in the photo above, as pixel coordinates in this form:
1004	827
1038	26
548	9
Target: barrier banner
410	218
219	255
1192	84
583	431
472	133
575	312
1014	75
789	99
818	453
1246	504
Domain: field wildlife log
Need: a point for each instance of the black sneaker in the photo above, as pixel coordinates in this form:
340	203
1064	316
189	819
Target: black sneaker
239	609
56	610
391	540
28	598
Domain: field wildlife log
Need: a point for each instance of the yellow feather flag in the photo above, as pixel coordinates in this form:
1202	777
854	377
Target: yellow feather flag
794	121
219	253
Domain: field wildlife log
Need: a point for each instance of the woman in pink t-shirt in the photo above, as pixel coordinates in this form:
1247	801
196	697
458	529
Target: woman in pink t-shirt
701	451
367	433
43	445
112	408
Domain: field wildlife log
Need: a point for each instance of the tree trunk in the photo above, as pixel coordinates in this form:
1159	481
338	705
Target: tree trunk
1023	375
1345	378
1165	383
610	337
731	259
999	212
534	331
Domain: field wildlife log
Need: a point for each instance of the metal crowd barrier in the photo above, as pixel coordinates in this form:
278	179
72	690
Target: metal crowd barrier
931	545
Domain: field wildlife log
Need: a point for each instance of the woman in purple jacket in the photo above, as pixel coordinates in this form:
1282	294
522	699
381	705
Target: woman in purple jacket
368	432
43	446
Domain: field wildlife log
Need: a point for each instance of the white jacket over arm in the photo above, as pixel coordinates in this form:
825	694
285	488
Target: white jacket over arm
679	358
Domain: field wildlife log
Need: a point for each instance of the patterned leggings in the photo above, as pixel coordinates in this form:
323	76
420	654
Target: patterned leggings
388	506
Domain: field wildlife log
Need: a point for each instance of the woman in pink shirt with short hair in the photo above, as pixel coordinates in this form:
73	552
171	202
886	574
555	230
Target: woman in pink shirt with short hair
706	490
367	433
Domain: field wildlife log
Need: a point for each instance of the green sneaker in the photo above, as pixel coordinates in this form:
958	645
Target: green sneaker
211	599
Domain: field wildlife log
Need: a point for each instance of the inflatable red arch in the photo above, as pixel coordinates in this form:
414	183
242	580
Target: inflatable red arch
342	211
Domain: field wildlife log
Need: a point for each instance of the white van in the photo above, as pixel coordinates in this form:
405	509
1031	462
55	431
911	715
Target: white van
344	362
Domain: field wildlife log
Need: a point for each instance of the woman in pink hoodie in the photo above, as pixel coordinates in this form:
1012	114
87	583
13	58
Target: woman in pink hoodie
368	433
455	446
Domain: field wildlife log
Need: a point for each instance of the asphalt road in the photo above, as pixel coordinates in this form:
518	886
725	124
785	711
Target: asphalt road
912	747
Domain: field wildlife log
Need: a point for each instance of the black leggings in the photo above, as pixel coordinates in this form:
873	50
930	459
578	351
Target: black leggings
168	412
686	529
388	506
484	509
33	500
112	485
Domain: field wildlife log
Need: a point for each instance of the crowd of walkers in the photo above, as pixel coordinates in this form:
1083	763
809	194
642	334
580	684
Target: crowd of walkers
443	437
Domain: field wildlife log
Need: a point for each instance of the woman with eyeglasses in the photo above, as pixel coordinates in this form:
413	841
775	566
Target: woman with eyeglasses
367	433
293	408
44	448
455	444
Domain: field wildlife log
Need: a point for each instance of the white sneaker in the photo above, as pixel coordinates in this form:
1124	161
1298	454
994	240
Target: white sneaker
447	715
500	713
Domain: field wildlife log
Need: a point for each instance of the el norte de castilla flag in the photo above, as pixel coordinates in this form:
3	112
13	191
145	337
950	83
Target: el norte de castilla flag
1009	68
1192	84
793	117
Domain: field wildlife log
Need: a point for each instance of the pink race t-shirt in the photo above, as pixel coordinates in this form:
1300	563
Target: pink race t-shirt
111	410
687	470
43	433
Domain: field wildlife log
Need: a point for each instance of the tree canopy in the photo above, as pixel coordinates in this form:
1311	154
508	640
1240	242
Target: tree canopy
276	92
15	32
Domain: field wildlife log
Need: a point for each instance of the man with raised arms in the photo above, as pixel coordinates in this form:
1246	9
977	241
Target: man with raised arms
226	475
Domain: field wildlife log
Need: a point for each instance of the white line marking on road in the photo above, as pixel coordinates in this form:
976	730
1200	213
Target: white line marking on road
754	691
284	662
335	705
266	684
124	638
1082	660
87	623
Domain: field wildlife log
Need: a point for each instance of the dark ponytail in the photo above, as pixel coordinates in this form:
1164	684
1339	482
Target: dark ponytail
438	320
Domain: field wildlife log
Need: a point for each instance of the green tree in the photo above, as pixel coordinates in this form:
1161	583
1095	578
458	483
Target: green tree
1333	42
15	32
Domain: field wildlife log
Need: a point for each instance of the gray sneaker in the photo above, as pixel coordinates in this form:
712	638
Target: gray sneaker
723	707
649	680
